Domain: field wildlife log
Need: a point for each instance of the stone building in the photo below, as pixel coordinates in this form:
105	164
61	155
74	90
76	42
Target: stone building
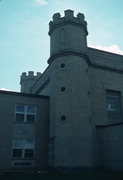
71	115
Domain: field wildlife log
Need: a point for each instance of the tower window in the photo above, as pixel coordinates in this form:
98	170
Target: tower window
62	65
63	89
63	118
113	106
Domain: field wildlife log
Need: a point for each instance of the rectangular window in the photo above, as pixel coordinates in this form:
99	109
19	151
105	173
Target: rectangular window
25	113
113	106
23	148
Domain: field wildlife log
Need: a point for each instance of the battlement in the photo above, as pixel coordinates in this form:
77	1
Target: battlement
27	80
68	18
30	75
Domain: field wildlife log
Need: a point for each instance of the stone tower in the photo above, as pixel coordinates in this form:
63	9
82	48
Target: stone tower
71	127
27	81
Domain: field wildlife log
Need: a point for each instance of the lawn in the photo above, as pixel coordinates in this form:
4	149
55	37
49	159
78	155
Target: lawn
63	176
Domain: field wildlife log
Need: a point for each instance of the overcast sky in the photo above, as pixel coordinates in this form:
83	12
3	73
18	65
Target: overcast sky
24	40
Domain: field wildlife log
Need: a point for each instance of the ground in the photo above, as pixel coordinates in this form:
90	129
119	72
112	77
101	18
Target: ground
103	175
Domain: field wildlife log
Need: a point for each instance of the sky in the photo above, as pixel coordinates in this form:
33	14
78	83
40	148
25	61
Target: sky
24	40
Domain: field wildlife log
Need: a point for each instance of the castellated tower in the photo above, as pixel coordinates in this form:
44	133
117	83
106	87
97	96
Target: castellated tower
68	33
71	127
27	81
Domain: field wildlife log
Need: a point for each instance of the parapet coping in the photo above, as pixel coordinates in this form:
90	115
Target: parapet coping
40	77
23	94
104	52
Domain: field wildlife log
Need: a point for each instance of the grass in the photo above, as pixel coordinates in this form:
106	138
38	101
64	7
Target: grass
63	176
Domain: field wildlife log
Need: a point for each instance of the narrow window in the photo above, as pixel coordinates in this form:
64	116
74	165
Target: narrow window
17	148
20	111
113	106
29	149
31	114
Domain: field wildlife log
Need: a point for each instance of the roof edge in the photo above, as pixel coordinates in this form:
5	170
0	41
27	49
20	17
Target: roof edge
23	94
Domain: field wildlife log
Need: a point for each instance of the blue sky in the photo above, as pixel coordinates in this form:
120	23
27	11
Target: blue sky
24	40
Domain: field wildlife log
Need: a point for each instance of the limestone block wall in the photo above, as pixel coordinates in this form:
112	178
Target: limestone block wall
10	129
70	123
110	140
105	59
100	81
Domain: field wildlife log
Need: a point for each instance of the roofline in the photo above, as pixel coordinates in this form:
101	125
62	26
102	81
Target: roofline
104	51
40	77
109	125
23	94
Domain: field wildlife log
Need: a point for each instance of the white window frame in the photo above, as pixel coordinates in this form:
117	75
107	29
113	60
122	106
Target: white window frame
25	113
23	146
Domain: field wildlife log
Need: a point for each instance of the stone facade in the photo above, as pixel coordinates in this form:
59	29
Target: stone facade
85	108
13	130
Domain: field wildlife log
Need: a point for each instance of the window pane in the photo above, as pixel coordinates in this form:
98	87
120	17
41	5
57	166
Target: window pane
17	144
31	109
19	117
20	108
29	144
29	152
17	152
113	100
30	118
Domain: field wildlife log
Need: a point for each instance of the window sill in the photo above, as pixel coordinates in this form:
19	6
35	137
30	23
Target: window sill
15	122
18	158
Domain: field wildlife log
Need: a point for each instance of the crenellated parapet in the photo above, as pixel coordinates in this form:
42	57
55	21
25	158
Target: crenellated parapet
30	75
68	18
28	80
68	34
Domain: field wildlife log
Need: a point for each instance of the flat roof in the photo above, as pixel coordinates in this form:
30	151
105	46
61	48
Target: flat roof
23	94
